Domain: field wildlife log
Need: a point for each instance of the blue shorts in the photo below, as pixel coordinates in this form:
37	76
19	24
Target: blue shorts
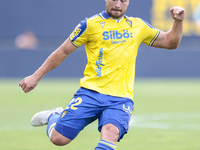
86	106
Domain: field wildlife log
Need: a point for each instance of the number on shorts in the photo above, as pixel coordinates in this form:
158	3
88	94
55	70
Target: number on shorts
77	101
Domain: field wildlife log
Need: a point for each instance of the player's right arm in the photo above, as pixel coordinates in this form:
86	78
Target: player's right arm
54	60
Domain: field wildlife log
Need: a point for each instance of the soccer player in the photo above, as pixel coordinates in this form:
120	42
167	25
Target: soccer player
111	42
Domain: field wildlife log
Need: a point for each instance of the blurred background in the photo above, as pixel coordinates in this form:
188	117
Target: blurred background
31	29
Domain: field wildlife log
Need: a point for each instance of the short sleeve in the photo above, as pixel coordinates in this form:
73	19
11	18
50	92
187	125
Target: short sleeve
79	36
150	34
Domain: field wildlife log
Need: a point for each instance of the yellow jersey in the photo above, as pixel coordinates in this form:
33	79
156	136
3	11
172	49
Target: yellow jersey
111	47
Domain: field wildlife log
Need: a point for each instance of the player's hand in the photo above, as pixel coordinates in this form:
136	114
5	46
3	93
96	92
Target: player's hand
177	13
28	83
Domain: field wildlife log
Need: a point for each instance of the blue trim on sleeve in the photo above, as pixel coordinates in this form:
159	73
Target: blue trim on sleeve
147	24
82	26
156	36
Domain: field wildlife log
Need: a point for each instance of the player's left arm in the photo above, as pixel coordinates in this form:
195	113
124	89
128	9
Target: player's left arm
172	38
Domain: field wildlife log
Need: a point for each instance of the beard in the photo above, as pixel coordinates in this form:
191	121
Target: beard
115	14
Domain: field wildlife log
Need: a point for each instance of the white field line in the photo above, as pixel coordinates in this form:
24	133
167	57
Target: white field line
19	127
152	120
141	121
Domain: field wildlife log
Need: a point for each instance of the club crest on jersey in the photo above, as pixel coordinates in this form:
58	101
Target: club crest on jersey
129	23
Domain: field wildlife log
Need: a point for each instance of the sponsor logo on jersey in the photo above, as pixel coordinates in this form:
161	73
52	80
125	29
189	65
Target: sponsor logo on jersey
99	63
116	35
75	33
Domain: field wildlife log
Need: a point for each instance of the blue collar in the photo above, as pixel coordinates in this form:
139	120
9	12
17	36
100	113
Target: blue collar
104	15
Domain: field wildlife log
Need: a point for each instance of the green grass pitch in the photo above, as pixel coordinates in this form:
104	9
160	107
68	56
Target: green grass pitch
166	115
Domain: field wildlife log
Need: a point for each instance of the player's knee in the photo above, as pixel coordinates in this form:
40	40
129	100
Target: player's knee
110	133
60	141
